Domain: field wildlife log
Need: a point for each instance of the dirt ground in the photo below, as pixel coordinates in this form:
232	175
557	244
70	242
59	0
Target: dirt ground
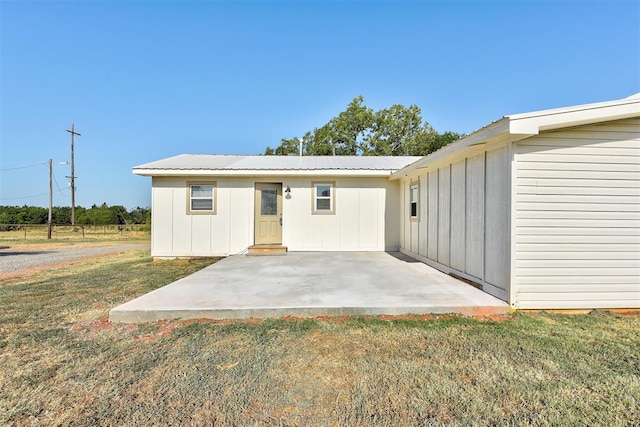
24	259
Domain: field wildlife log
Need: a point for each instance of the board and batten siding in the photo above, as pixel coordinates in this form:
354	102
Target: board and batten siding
177	234
464	219
365	218
577	218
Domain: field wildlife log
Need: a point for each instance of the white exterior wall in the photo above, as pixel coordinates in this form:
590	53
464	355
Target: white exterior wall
366	217
577	218
464	219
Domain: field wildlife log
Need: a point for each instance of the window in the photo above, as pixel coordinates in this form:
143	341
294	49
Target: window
201	198
323	197
413	200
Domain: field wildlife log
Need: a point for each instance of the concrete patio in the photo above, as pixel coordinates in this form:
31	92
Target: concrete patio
307	284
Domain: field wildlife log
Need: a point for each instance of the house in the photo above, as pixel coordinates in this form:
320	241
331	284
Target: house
541	210
209	205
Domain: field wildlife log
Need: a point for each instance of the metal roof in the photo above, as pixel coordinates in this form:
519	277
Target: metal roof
231	165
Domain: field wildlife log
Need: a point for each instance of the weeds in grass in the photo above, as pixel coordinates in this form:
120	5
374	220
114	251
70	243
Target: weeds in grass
62	363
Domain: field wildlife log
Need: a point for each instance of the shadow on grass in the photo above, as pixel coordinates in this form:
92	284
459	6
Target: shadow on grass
15	253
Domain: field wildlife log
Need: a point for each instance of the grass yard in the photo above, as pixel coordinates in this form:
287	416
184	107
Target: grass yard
62	363
80	233
13	240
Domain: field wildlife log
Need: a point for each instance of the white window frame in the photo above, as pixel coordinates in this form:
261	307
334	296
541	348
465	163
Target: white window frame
331	198
214	189
414	186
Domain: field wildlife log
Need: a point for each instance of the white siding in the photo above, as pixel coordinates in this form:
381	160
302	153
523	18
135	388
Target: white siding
391	200
162	216
497	213
415	244
421	224
458	192
444	214
577	218
464	214
474	226
363	207
405	241
432	215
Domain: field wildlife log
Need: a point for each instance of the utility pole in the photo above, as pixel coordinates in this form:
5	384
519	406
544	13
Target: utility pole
50	197
73	177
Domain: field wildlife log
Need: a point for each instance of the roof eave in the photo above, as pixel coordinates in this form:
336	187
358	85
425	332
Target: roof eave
535	123
261	172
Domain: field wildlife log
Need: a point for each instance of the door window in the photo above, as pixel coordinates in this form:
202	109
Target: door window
269	201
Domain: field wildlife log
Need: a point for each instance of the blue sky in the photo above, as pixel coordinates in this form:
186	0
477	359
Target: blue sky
145	80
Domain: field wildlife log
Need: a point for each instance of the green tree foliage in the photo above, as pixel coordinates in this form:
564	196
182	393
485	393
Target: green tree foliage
140	215
62	214
359	130
96	215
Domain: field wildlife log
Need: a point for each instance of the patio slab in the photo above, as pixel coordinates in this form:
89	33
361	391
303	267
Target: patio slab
308	284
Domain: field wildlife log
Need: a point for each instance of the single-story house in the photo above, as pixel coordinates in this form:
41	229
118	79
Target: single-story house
210	205
540	209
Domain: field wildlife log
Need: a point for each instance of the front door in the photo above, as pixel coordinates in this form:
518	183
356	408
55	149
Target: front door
268	226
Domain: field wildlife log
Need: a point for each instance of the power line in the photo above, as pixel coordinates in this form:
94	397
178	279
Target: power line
56	181
60	190
28	197
23	167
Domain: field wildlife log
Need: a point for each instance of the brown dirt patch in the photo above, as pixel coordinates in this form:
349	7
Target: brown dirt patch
94	328
25	272
165	329
49	267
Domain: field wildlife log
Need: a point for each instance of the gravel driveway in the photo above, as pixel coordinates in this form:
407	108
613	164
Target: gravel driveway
16	259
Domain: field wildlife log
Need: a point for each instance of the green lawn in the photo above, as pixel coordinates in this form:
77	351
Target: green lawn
61	363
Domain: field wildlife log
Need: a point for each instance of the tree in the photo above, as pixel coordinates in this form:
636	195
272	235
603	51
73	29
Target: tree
62	215
119	215
395	131
96	215
140	215
343	135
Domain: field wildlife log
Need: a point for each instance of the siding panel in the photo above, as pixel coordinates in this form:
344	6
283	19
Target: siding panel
349	201
162	216
444	214
423	215
578	218
498	211
415	224
201	234
406	222
181	238
432	216
458	192
474	225
367	225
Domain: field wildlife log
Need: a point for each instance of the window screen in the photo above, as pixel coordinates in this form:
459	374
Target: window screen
201	198
414	201
323	197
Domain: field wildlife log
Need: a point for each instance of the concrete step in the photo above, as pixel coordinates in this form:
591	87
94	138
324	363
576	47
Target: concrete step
257	250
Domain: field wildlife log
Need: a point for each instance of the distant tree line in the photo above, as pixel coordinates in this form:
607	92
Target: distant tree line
96	215
361	131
